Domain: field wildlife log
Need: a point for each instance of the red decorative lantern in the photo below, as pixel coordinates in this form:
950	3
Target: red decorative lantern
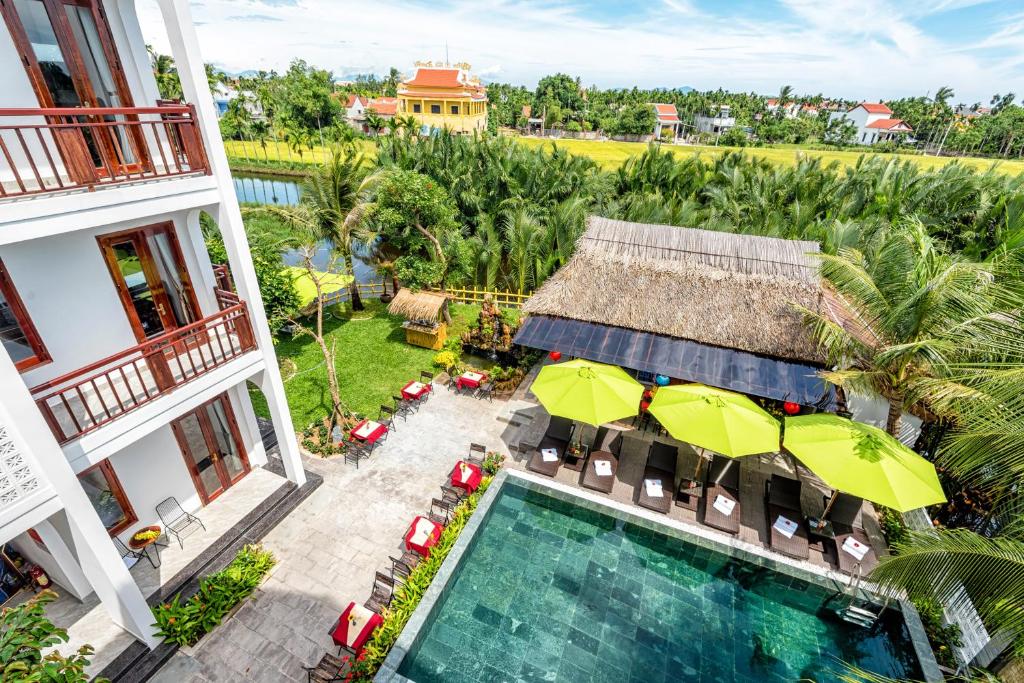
555	355
791	408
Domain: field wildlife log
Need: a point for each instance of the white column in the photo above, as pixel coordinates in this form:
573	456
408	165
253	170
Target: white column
99	560
65	559
188	59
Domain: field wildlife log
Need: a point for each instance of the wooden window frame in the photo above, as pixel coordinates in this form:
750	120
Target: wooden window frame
440	109
455	109
117	490
417	108
106	241
42	356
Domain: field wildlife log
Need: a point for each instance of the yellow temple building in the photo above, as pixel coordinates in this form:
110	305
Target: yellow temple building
444	96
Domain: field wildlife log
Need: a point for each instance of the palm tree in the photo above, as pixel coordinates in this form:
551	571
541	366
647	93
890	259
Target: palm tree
943	94
374	122
165	74
523	243
336	194
910	300
960	567
409	123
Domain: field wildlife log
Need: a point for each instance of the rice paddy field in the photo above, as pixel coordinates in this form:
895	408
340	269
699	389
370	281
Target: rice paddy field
611	154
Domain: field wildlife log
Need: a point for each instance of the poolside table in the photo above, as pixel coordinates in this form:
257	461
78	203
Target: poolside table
422	535
354	627
368	431
467	476
415	390
471	379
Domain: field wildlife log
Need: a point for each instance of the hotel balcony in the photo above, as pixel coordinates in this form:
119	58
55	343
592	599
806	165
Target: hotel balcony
90	397
45	151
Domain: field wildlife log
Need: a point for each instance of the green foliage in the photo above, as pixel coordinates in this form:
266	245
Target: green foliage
408	595
280	298
893	527
493	462
24	633
303	100
943	637
734	137
184	623
634	119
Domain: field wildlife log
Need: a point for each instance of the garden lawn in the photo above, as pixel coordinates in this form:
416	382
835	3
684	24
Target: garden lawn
373	361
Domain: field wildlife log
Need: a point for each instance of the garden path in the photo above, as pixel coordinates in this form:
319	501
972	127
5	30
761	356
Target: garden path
330	546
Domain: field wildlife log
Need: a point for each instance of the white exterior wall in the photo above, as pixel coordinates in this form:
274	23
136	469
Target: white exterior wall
70	295
861	118
48	243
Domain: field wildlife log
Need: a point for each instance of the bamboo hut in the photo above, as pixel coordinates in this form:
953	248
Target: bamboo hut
426	317
714	307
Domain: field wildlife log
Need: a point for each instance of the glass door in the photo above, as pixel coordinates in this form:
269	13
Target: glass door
67	49
212	446
150	276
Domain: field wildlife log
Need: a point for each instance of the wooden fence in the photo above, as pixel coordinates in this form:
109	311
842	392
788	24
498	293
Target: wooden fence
367	290
472	295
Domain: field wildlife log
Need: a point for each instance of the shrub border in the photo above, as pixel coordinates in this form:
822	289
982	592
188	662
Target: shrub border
413	602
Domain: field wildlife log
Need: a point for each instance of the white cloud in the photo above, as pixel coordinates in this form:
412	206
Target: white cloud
852	48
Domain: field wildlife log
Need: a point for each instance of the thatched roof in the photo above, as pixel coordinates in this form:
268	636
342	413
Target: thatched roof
723	289
417	305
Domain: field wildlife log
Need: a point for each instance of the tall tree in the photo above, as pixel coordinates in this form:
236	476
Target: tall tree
910	299
337	193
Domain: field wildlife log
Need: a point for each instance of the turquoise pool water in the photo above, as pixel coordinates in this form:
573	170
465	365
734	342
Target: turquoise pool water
551	591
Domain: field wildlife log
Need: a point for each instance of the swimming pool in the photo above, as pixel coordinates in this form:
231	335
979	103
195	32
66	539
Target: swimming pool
551	590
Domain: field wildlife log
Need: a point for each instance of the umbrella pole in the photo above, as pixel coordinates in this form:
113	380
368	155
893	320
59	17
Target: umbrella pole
700	463
828	507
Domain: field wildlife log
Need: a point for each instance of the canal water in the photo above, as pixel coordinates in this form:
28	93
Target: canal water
286	191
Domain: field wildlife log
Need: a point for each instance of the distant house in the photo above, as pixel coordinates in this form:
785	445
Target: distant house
716	123
972	112
224	93
355	108
444	96
874	123
792	109
666	118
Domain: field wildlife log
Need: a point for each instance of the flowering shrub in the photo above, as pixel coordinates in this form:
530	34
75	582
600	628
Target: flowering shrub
185	623
408	595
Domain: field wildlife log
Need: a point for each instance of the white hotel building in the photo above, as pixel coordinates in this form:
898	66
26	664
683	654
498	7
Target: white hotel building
127	357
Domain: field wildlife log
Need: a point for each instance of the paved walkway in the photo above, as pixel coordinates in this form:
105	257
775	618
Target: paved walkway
330	546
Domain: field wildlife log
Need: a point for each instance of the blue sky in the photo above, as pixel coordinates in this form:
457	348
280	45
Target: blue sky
858	49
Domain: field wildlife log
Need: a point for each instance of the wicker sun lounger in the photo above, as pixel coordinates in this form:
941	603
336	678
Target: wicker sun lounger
846	515
600	482
538	464
661	465
782	498
723	480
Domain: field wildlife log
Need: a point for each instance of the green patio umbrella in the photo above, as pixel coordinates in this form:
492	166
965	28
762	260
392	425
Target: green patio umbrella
588	392
863	461
715	419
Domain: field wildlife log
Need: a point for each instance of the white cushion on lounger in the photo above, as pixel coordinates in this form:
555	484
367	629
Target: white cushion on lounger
653	487
724	505
784	526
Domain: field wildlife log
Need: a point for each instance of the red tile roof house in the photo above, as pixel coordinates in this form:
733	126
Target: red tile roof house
875	123
666	118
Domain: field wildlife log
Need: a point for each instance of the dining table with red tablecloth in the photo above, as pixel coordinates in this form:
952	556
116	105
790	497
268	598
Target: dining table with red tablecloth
467	476
354	627
471	379
368	431
415	390
423	534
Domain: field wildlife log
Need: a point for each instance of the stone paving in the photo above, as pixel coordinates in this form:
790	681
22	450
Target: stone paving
330	546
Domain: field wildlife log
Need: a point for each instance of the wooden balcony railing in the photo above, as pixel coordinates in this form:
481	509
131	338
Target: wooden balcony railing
58	149
90	397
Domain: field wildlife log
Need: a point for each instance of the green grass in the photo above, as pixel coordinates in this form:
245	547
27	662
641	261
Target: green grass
373	362
611	154
277	152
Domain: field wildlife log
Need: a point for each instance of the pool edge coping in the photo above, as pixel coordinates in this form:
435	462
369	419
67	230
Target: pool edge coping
732	547
388	672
